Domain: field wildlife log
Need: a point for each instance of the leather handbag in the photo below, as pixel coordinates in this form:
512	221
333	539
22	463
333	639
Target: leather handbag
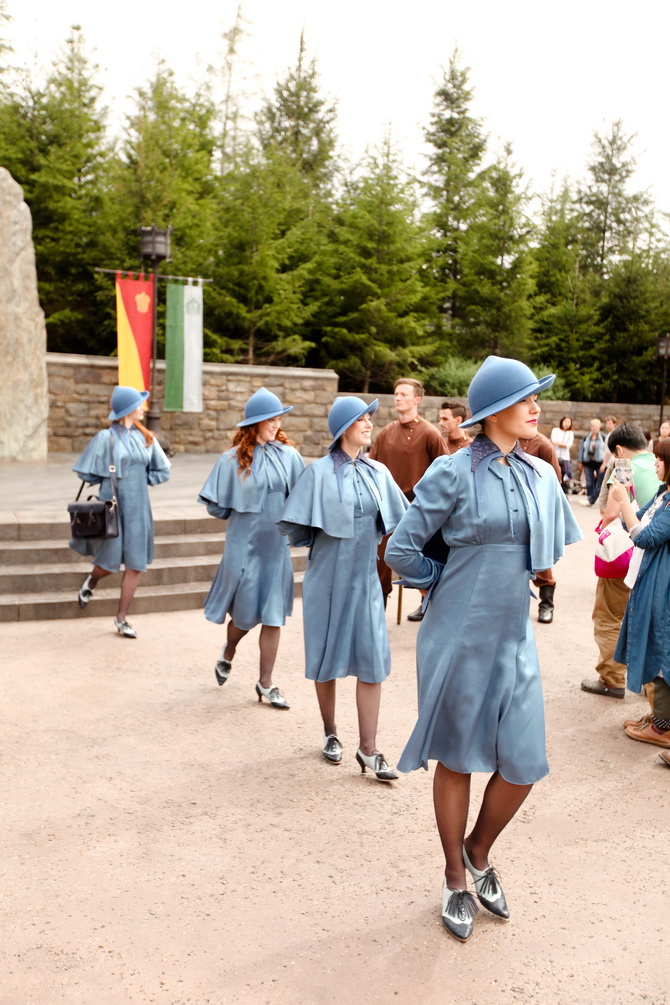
614	551
96	517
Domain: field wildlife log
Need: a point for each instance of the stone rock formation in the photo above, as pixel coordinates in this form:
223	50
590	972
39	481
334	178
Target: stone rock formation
24	400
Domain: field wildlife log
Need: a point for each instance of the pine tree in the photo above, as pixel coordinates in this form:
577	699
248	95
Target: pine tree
458	145
52	140
300	122
630	314
613	219
496	281
566	325
372	323
259	309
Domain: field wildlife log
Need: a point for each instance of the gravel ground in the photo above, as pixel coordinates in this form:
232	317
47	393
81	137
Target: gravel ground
167	840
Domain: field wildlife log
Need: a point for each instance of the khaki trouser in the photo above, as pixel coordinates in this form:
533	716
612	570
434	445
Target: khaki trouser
608	611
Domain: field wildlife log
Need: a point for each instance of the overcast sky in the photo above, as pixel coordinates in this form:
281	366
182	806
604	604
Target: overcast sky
545	75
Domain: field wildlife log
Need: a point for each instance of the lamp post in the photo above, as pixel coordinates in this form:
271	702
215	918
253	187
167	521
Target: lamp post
154	248
662	352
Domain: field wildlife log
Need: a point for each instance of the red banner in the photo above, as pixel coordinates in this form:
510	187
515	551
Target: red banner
134	330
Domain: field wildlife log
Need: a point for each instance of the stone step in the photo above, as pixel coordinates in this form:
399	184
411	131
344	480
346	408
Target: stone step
49	605
50	552
168	571
38	526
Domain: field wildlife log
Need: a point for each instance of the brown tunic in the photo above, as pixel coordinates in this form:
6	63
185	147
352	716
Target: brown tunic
540	446
407	449
454	445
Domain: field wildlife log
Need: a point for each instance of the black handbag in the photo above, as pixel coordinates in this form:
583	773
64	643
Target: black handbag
96	517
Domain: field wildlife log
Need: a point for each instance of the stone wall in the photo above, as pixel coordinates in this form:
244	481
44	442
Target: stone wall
80	388
24	401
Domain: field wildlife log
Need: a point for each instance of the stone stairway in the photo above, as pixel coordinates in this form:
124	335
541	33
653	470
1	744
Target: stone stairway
40	576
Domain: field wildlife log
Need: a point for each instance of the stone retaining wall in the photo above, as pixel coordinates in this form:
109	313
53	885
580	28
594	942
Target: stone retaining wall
80	387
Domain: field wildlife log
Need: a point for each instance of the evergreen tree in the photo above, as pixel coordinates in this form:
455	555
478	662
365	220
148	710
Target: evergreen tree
496	281
372	325
230	115
630	315
258	304
52	140
566	325
458	146
299	121
613	219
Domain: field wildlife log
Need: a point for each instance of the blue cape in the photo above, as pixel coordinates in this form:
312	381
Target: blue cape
324	499
226	490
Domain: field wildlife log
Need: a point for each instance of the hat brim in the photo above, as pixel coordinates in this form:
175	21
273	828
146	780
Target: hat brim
264	415
115	416
512	399
368	410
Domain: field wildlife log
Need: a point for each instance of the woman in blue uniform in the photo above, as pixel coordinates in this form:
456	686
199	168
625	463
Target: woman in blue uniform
503	515
139	462
254	583
644	641
341	507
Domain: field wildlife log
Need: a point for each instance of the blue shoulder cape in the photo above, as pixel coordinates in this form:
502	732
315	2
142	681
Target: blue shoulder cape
93	465
324	499
226	490
450	480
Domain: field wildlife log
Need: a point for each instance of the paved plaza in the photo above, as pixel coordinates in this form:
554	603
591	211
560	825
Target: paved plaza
168	840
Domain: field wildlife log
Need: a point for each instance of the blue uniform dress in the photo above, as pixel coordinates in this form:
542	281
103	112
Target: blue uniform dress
254	582
480	694
137	467
644	641
341	508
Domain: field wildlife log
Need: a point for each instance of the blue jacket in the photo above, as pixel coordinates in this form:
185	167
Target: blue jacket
599	453
644	640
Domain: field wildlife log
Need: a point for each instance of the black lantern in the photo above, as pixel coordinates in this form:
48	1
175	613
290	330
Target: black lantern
155	243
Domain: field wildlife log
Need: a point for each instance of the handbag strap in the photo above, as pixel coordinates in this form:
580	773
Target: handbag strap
112	467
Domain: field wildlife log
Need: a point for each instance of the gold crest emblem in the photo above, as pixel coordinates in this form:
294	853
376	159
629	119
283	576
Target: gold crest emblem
142	302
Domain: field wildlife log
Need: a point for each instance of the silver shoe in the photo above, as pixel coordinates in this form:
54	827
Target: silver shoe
85	593
273	695
376	762
488	888
124	629
332	748
222	669
458	910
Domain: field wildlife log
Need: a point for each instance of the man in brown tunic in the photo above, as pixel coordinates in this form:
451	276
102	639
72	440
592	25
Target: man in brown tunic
407	447
452	413
540	446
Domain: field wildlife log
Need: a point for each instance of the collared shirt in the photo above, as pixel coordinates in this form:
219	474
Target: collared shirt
408	449
454	445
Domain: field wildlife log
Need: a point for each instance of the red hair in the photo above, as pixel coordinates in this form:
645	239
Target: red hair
146	433
245	441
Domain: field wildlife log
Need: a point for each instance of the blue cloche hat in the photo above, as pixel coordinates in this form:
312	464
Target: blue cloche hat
262	405
345	411
500	383
125	400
